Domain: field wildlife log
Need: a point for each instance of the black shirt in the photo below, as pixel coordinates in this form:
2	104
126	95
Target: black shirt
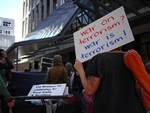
116	93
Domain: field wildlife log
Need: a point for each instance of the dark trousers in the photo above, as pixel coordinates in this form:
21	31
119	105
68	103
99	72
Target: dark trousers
4	106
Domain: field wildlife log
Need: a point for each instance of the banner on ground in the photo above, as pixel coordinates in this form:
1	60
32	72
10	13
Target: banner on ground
104	34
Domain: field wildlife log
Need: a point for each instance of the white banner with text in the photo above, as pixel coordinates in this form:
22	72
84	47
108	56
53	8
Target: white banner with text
104	34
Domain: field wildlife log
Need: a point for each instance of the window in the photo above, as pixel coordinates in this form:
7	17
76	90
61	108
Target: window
5	43
8	32
8	24
5	32
0	31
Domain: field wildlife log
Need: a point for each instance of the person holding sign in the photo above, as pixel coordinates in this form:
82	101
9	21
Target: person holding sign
57	73
111	83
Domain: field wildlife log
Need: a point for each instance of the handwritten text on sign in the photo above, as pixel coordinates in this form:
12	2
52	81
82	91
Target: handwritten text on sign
47	90
105	34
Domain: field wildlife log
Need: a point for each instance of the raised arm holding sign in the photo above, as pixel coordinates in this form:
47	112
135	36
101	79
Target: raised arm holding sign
106	77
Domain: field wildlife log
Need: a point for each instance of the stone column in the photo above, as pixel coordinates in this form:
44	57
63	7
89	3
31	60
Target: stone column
58	3
35	17
40	12
23	20
51	7
45	9
29	23
31	13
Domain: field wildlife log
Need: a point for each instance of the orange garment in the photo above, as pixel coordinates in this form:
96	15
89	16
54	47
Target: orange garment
134	62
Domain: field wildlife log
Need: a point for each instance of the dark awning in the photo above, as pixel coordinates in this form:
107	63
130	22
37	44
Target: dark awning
52	29
26	49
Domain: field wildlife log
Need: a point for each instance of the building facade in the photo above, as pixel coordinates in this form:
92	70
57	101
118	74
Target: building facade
48	27
7	37
36	11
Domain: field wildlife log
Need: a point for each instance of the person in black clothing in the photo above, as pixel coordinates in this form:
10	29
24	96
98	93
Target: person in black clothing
76	84
77	88
147	63
5	64
111	84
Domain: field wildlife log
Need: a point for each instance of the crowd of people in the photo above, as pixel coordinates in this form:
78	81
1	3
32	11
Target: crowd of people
107	79
106	83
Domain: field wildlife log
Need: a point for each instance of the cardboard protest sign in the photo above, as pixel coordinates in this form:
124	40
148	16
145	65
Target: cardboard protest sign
47	90
46	62
105	34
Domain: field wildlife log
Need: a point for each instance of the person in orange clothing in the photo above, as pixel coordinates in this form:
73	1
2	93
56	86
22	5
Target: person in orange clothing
134	62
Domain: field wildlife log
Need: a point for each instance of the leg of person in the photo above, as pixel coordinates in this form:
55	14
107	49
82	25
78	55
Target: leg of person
4	106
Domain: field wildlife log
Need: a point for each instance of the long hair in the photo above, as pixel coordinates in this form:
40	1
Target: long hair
57	60
69	68
1	56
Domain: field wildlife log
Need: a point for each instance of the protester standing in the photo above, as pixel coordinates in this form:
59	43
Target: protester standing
57	73
111	84
70	72
5	63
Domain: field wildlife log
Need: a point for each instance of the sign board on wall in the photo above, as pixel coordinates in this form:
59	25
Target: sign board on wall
105	34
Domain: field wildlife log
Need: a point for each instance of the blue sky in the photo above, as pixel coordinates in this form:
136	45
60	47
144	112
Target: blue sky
13	9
